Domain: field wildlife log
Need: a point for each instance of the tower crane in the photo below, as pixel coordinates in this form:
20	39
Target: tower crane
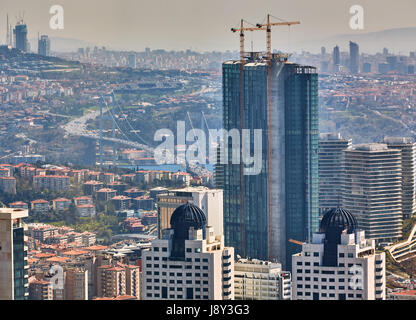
242	29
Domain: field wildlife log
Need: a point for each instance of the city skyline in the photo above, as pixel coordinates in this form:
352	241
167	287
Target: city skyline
175	26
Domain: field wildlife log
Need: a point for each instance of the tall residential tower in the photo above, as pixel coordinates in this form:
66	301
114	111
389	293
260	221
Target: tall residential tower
331	169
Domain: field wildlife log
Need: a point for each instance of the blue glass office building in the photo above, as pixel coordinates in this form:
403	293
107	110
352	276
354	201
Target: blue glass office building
262	212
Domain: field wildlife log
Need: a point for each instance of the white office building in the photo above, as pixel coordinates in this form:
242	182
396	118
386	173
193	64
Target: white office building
189	262
209	200
339	263
261	280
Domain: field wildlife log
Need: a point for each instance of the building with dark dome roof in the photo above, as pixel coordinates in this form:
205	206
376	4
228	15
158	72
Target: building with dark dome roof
183	218
190	261
338	218
339	263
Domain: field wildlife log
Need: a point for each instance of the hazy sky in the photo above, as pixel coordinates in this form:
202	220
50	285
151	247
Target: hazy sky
201	24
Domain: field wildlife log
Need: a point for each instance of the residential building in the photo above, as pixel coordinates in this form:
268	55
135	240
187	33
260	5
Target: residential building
121	202
51	182
39	206
143	203
373	190
40	289
408	148
189	262
92	186
76	283
111	281
331	169
61	204
106	194
261	280
133	281
83	200
86	210
8	185
339	263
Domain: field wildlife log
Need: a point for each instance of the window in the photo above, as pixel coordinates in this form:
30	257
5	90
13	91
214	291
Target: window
341	255
164	249
156	249
316	254
350	255
188	249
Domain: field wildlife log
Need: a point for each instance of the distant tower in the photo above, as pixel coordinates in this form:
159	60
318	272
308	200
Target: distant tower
323	51
131	60
336	57
7	30
354	57
20	36
44	45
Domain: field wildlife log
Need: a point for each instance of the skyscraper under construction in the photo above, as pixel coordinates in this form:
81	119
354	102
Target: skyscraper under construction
262	212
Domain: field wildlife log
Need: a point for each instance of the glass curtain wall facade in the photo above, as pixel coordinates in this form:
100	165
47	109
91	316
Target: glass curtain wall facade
256	226
19	264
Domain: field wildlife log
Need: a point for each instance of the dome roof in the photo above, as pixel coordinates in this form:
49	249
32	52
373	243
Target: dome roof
188	215
340	219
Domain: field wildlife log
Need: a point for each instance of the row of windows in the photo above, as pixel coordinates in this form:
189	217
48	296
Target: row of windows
322	279
172	296
149	258
175	288
308	286
331	295
205	282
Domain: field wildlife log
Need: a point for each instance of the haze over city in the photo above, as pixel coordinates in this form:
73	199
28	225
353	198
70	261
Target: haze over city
205	26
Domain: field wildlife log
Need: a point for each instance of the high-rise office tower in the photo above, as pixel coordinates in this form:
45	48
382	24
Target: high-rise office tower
263	211
336	60
20	37
339	263
13	255
209	200
408	148
323	52
261	280
373	190
131	60
331	169
354	57
189	262
44	45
